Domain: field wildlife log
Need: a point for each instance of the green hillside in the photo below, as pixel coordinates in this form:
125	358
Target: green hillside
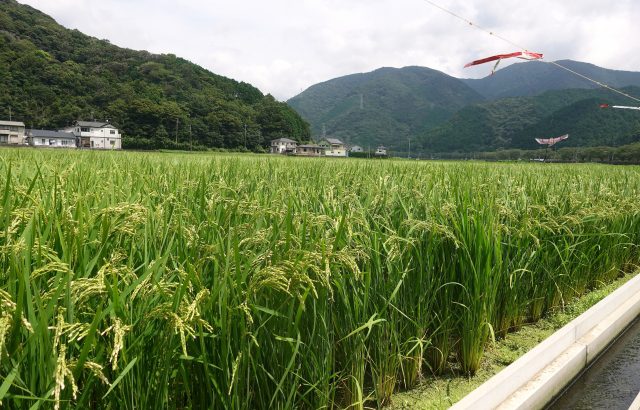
385	106
51	76
515	122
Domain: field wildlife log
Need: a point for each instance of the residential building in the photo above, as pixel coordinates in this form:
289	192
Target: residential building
309	150
53	139
356	148
381	151
333	147
283	146
12	133
97	135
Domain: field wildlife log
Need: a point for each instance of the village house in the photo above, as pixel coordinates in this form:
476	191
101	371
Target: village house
283	146
356	148
381	151
333	147
12	133
309	150
97	135
53	139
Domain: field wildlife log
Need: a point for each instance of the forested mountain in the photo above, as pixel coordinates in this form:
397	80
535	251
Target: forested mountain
51	76
537	77
385	106
515	122
440	114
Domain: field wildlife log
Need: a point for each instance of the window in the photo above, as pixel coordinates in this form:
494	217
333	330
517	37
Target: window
113	131
52	141
83	129
4	139
91	144
43	141
113	143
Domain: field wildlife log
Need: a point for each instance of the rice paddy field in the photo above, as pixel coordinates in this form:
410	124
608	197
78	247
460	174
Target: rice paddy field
150	280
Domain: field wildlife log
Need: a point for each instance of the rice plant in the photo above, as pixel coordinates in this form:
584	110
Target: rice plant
149	280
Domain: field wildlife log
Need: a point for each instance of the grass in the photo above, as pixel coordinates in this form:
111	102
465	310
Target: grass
149	280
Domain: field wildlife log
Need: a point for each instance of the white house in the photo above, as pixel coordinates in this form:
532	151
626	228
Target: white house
381	151
283	146
12	133
356	148
333	147
53	139
97	135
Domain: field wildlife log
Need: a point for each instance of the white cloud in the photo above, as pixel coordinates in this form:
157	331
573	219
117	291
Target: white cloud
285	46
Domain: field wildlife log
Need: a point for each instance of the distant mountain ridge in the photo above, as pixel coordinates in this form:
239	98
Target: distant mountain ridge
386	106
440	113
537	77
516	122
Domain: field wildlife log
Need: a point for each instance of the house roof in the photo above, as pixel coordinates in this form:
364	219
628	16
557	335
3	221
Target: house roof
12	123
93	124
381	147
50	134
283	140
333	141
309	146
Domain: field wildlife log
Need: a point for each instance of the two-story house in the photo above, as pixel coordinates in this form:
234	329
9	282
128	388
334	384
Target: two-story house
283	146
333	147
12	133
97	135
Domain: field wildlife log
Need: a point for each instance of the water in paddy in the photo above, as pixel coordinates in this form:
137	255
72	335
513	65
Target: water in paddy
612	382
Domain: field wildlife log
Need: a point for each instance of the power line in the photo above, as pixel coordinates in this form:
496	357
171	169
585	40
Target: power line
491	33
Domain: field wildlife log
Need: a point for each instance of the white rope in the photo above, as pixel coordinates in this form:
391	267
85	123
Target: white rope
491	33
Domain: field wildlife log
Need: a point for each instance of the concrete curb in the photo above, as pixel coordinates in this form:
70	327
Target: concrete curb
636	403
535	378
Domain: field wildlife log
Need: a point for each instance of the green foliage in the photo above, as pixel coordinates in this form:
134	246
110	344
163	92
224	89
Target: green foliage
396	104
51	76
197	281
516	122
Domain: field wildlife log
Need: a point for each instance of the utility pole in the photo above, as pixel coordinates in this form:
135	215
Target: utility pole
245	136
409	154
324	131
9	113
190	135
177	123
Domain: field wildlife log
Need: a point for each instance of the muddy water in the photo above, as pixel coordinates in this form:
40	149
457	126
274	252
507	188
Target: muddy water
612	382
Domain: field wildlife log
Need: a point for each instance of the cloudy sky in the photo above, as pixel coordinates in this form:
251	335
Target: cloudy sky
285	46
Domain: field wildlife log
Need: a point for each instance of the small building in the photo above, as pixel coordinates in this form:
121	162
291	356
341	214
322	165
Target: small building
53	139
309	150
96	135
381	151
283	146
12	133
333	147
356	148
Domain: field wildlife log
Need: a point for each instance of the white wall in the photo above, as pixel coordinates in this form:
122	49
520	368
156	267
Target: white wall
52	142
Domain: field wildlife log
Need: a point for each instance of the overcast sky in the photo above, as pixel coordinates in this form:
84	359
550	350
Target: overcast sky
285	46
